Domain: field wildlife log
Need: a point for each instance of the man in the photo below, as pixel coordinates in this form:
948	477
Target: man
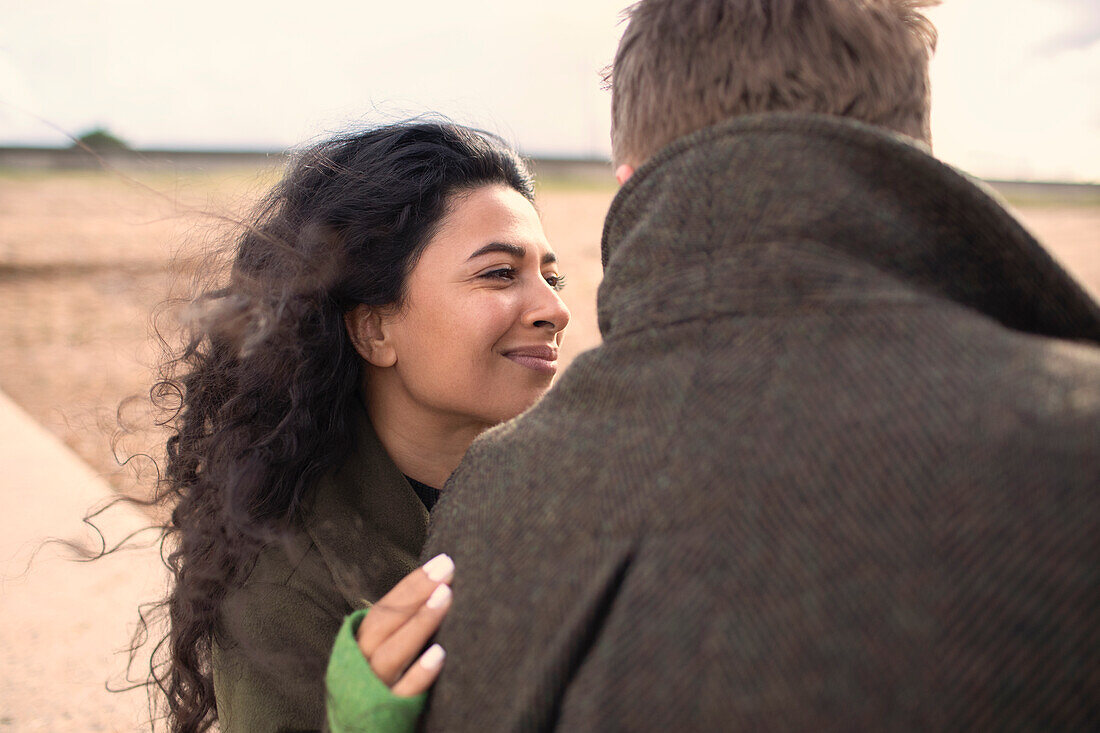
837	461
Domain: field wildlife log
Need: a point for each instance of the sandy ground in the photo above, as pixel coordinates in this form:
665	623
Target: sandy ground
84	259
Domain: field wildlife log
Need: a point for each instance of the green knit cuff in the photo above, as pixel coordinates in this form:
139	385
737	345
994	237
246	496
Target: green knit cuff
356	700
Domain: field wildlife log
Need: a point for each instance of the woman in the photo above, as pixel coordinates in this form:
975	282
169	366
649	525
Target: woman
394	297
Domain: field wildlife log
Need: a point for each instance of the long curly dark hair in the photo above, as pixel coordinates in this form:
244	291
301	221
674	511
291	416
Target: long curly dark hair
259	399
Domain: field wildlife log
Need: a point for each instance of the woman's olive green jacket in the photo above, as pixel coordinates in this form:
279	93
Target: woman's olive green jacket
362	533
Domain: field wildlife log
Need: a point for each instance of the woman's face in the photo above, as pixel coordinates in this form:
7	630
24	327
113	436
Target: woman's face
477	338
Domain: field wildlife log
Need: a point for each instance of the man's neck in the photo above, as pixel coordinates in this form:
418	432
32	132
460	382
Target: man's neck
425	445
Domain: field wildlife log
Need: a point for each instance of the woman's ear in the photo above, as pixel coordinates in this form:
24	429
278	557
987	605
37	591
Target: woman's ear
367	331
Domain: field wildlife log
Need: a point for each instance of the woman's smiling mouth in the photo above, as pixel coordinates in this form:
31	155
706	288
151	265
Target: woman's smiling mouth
538	358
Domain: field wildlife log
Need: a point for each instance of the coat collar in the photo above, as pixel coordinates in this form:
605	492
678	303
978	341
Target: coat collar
788	213
365	519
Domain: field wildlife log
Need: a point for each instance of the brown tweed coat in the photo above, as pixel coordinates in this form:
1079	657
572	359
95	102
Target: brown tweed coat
836	465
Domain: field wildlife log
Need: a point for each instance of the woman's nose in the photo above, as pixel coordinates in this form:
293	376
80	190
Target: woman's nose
549	311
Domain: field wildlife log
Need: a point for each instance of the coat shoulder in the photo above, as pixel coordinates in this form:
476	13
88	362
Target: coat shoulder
273	640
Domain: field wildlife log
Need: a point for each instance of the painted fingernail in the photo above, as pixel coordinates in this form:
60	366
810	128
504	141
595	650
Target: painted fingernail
439	597
440	568
433	658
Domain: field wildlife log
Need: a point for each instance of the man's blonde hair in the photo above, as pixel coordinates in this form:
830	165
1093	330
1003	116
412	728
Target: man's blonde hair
686	64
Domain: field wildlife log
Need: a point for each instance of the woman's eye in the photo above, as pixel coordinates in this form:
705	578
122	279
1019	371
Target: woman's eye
504	273
557	282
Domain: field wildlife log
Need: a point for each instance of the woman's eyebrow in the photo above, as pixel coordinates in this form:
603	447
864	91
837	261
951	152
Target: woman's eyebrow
510	249
494	247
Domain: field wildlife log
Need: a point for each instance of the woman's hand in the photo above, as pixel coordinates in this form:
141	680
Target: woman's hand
400	624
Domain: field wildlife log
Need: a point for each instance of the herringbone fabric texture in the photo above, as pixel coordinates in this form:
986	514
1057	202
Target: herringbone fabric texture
836	465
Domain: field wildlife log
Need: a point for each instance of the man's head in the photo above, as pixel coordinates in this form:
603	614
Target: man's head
686	64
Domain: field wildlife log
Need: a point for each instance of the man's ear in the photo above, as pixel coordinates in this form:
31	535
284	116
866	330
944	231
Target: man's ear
368	333
623	173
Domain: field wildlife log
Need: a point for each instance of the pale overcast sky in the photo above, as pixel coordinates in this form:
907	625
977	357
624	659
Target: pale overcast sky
1015	80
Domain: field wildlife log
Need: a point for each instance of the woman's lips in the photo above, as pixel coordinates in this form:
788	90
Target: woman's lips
538	358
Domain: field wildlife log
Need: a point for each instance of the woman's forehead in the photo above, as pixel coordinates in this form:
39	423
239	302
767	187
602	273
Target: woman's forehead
491	215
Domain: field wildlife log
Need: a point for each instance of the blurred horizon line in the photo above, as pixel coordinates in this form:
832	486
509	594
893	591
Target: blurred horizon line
53	158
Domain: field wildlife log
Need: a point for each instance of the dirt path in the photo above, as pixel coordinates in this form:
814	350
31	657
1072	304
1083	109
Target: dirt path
63	623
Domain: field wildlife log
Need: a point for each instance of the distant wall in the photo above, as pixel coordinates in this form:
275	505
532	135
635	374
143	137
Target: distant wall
62	159
581	170
1045	193
598	171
